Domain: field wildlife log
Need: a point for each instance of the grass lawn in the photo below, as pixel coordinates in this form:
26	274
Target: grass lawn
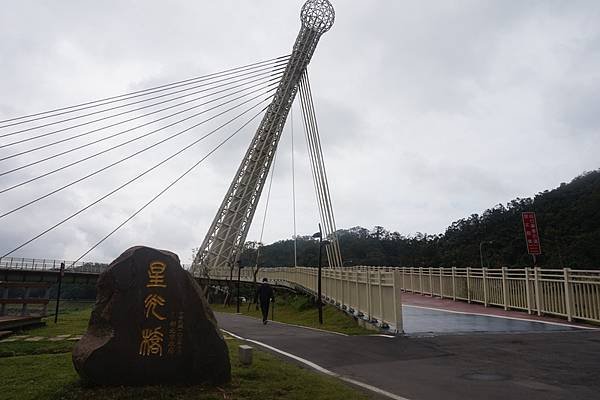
72	319
52	377
299	310
43	370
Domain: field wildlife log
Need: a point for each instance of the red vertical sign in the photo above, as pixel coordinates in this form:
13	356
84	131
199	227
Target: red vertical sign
532	236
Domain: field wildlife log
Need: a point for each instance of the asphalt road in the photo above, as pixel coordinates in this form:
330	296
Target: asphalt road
543	362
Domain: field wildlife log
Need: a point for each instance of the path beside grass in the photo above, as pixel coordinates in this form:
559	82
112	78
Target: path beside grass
299	310
42	370
52	377
553	365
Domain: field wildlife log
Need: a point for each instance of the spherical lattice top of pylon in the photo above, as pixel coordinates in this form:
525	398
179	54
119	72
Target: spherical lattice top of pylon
317	15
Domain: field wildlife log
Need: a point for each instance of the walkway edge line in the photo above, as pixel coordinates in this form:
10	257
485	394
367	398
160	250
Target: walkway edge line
319	368
310	328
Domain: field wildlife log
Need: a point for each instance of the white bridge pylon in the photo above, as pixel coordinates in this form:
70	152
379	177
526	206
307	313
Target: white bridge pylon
224	241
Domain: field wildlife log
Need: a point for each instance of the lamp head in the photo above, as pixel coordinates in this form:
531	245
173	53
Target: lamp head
317	15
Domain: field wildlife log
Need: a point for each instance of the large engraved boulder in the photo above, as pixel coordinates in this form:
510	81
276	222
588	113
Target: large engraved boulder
151	325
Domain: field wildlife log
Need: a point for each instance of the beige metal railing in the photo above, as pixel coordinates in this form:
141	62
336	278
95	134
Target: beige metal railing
373	293
574	294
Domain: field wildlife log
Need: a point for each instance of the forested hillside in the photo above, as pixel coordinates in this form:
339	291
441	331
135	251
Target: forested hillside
568	220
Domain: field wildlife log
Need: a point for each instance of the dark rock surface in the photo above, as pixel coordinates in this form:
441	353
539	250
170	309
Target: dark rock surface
151	325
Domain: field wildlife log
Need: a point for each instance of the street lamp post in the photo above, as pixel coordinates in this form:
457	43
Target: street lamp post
60	276
319	301
480	250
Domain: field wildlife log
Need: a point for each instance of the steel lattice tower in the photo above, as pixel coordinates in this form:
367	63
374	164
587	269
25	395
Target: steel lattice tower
223	242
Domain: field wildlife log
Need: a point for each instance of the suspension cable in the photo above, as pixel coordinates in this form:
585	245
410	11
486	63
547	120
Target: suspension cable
318	169
142	92
127	130
335	244
131	180
139	137
293	186
168	186
262	230
141	151
118	114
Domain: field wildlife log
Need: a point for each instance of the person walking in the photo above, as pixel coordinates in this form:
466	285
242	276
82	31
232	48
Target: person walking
265	294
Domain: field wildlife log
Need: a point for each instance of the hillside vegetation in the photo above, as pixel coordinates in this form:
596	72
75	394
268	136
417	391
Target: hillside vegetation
568	220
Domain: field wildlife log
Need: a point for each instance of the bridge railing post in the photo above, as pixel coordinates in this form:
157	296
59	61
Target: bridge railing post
538	302
357	290
568	296
380	294
342	281
430	282
398	301
468	285
505	288
485	286
441	271
369	299
454	283
403	276
528	290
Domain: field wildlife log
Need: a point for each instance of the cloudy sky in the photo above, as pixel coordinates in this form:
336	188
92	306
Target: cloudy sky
429	111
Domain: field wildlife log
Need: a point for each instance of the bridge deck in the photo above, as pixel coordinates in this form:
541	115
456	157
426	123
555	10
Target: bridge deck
490	319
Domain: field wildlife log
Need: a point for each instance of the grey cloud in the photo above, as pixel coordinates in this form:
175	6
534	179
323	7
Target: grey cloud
427	111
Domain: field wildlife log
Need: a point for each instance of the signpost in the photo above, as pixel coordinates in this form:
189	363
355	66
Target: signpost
532	236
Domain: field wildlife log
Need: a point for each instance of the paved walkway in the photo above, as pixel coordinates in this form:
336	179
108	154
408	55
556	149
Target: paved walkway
419	300
558	363
420	320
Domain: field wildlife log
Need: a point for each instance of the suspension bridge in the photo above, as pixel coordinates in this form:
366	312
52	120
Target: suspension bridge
196	109
155	126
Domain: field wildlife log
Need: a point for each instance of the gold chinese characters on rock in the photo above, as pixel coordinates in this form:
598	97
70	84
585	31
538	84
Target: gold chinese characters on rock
152	337
151	342
156	275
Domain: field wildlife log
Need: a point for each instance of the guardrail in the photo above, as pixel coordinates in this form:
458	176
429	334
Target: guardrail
370	294
574	294
33	264
374	292
39	264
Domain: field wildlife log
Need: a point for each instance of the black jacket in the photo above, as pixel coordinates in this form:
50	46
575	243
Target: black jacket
265	293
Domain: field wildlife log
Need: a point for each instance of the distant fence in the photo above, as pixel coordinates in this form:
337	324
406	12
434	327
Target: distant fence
374	292
33	264
42	264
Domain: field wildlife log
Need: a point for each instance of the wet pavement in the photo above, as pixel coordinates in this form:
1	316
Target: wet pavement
418	320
